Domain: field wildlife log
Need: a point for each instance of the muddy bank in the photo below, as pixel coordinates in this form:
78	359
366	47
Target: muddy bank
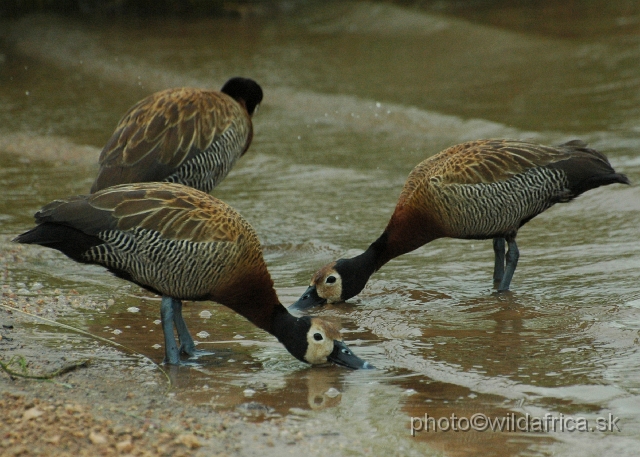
355	96
122	404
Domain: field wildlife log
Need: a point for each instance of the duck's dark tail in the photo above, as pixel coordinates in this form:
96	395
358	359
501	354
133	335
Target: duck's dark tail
586	168
69	241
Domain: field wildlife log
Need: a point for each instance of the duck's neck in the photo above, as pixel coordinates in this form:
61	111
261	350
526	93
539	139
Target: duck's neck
253	297
377	254
402	235
407	230
360	268
291	331
265	311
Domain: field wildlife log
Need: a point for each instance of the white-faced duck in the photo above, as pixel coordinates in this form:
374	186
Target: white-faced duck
185	135
485	189
183	244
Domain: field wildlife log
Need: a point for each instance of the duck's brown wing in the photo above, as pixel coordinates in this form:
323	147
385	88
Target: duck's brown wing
166	130
169	238
495	160
177	212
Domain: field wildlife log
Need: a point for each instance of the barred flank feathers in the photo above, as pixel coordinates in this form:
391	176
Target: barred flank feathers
488	188
183	135
168	238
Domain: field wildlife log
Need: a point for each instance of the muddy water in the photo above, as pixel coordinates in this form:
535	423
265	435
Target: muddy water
356	95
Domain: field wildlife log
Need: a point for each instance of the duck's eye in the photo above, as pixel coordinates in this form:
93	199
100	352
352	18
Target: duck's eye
330	279
317	337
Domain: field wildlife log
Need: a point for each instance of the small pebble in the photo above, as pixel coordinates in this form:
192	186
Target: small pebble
55	439
32	413
124	446
189	440
332	392
97	438
297	412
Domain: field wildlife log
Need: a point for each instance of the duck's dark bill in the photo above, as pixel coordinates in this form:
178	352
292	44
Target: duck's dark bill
309	299
343	356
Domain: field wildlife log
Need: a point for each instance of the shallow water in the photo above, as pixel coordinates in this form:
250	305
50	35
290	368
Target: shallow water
356	94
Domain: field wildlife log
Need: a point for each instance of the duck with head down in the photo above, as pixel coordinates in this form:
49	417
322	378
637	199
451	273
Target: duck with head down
485	189
183	244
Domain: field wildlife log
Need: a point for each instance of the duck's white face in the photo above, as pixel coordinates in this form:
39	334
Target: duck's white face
324	344
328	283
320	341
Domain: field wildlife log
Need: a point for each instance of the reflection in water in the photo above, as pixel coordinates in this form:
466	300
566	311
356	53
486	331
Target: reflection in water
300	390
355	95
232	374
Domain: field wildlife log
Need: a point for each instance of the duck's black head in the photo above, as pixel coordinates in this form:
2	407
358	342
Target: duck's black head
336	282
245	91
317	341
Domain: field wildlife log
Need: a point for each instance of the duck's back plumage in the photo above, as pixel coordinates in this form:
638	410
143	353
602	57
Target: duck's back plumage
187	136
476	190
168	238
183	244
488	188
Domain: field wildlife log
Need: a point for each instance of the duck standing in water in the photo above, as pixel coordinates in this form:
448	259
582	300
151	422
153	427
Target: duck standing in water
183	244
187	136
485	189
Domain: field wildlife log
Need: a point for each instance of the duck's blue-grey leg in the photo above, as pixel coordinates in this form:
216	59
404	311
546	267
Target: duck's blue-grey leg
512	261
171	351
187	345
498	268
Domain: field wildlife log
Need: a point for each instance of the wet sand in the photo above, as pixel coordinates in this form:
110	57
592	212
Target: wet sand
356	96
119	403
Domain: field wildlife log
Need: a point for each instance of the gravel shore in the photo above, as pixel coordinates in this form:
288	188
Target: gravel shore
118	404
